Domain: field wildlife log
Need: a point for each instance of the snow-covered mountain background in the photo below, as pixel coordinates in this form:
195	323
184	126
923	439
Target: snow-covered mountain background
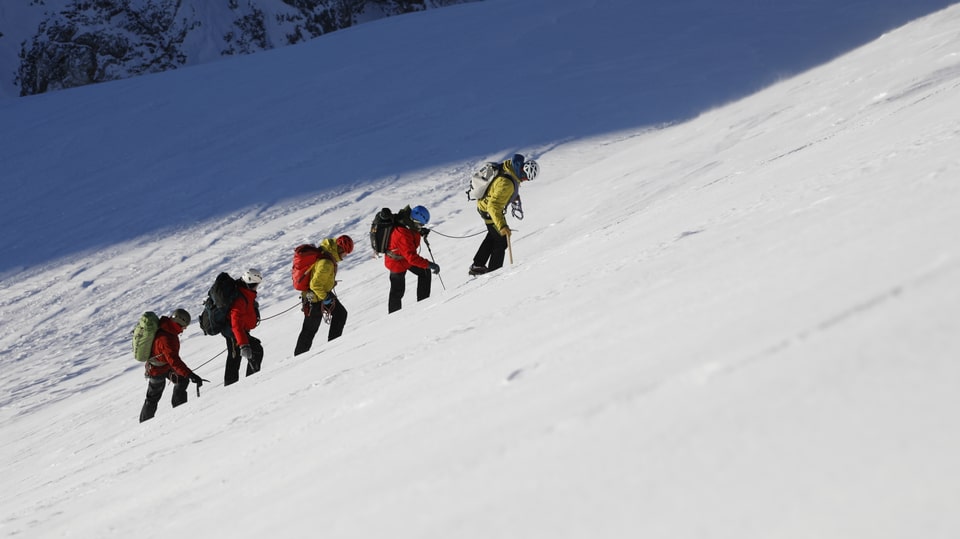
734	309
48	45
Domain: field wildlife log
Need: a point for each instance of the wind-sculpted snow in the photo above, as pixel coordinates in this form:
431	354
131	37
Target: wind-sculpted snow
656	65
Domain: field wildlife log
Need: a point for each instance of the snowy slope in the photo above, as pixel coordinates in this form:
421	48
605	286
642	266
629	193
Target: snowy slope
732	313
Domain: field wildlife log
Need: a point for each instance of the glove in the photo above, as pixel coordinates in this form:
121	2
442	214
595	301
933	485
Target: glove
505	231
195	378
434	267
246	352
311	297
327	301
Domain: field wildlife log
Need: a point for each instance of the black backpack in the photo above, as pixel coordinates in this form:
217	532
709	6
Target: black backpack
216	308
381	228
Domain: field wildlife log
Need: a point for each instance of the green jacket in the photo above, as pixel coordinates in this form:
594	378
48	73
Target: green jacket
503	190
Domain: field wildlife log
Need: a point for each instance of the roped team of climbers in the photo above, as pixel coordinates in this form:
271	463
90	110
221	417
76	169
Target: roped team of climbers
320	303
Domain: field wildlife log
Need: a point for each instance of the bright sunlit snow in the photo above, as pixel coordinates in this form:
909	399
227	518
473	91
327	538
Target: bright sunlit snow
734	309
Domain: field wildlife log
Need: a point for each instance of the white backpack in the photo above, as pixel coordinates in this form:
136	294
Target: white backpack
480	181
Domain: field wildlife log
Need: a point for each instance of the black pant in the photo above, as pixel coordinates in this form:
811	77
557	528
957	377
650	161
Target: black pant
313	318
155	386
493	248
398	285
231	372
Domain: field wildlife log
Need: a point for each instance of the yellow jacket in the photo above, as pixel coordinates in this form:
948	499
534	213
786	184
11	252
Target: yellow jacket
502	191
323	273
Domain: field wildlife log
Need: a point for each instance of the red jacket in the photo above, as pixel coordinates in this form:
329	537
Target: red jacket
166	349
243	315
402	251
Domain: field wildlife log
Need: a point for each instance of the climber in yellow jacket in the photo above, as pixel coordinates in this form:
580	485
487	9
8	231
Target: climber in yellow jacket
503	191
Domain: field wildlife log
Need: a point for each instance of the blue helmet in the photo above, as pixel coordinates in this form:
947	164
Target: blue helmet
420	215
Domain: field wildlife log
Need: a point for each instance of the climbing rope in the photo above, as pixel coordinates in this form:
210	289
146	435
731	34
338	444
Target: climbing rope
283	312
262	319
434	231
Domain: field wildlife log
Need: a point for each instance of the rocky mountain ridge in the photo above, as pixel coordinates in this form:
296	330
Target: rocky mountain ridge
48	45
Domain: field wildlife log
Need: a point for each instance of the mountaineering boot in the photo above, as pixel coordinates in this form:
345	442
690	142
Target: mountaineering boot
477	270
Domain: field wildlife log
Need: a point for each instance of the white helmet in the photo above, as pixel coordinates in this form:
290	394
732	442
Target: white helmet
180	316
531	169
252	277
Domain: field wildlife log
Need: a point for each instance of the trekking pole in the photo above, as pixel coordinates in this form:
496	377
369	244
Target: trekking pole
510	248
427	243
202	380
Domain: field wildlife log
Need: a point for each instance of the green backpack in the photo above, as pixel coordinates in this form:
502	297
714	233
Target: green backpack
144	334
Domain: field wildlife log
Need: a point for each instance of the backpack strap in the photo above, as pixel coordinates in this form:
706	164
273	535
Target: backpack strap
155	360
324	255
514	201
398	221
